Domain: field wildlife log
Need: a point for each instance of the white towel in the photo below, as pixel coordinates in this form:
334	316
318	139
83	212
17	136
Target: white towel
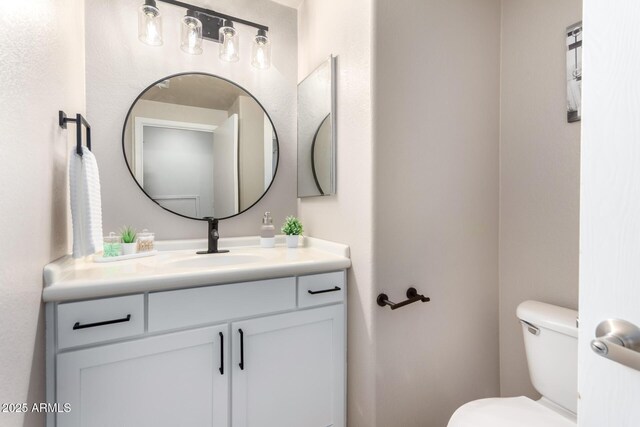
86	206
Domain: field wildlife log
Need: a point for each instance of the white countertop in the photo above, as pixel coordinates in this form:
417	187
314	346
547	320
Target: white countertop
67	279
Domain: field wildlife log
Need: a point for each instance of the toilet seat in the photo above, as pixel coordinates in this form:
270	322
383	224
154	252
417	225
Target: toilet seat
507	412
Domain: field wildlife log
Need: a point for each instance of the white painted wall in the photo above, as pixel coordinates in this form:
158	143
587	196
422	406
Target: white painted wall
42	69
610	208
539	174
343	28
436	131
119	67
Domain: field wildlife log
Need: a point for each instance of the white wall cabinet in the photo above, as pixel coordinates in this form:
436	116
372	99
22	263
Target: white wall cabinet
285	368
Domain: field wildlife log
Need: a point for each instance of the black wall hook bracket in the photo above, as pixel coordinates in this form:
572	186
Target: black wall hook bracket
79	121
412	296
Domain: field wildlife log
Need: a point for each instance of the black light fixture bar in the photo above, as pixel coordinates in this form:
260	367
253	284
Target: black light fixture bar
213	13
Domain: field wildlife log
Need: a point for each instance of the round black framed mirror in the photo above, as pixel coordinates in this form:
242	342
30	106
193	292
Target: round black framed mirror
200	146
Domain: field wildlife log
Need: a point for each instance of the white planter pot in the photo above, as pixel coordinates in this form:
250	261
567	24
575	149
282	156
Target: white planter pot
292	241
129	248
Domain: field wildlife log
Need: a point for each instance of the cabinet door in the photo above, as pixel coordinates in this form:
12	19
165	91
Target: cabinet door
289	370
164	381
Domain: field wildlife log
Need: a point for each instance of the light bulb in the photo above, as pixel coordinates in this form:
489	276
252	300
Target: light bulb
229	43
191	34
261	51
150	24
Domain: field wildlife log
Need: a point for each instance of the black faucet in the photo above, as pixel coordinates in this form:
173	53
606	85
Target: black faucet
213	237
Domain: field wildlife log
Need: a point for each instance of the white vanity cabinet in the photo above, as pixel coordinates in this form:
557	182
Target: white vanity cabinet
288	369
269	353
167	380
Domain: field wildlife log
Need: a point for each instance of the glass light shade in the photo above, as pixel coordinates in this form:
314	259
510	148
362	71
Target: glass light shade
191	35
229	43
261	51
150	25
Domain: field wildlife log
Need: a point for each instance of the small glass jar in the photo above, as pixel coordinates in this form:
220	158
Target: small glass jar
111	245
145	241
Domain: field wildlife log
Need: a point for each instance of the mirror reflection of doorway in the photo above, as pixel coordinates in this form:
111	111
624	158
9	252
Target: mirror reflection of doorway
189	168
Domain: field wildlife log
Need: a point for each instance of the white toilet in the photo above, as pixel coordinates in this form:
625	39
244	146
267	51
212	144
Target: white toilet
551	343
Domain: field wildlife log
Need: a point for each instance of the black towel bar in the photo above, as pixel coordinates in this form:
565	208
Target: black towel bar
412	296
79	121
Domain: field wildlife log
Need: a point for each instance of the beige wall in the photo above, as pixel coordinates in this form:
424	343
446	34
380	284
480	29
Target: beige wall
343	28
492	216
42	71
539	174
436	132
119	67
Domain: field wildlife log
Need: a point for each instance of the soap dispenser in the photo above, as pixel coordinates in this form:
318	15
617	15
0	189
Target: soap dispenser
267	232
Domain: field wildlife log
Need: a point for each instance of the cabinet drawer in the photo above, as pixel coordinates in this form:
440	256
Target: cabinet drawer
198	306
319	289
88	322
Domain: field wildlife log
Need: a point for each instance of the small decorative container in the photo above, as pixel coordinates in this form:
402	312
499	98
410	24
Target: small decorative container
146	241
129	239
292	241
293	229
111	245
129	248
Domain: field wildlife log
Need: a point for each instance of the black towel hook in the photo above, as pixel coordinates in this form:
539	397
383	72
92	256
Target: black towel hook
79	121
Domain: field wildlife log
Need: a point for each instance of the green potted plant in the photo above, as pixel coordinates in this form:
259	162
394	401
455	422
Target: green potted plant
292	227
129	237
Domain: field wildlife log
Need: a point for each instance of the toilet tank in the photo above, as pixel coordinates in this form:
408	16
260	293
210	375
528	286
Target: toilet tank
551	344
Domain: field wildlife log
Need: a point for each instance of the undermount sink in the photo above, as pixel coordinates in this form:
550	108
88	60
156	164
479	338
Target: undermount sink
214	260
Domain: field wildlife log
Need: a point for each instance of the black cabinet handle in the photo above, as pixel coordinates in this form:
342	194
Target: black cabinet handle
324	290
241	364
106	322
221	368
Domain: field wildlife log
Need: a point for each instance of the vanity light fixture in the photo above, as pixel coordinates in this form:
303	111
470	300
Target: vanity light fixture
200	23
261	51
191	34
150	24
229	42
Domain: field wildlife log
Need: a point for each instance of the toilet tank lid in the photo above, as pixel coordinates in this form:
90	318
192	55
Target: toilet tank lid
548	316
